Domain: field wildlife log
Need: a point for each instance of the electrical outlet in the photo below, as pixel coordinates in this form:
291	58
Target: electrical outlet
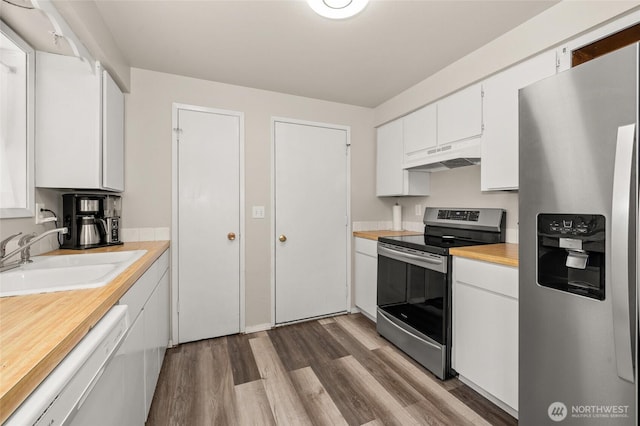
39	214
419	210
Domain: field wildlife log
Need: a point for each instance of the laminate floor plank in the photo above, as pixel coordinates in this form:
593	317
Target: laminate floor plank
386	408
331	371
243	364
286	406
317	402
354	404
321	342
301	345
402	391
172	402
365	335
430	389
292	353
253	406
427	413
492	413
214	397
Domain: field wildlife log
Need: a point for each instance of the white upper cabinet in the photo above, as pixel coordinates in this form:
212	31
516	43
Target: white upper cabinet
431	131
460	115
79	125
112	134
499	166
391	178
420	134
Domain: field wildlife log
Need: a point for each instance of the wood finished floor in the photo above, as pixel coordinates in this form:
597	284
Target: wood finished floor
334	371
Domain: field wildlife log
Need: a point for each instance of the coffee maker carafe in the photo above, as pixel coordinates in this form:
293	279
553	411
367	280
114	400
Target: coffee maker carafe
90	219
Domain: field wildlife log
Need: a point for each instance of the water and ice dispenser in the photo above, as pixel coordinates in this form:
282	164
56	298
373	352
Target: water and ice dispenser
571	253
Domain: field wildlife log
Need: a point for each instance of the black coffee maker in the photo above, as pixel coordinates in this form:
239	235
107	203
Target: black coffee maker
84	216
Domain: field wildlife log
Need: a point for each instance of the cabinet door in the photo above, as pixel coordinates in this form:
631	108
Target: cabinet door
132	350
163	317
390	176
485	327
499	167
419	134
67	121
366	276
112	134
151	332
460	115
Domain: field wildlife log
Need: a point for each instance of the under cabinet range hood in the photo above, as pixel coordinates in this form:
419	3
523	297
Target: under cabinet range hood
450	156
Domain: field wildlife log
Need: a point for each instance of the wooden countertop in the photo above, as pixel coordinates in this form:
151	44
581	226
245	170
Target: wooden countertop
504	254
37	331
373	235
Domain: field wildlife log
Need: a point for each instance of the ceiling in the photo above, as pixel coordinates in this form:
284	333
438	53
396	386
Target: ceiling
284	46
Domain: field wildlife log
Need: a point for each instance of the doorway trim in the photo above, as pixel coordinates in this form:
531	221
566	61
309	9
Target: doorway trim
272	240
175	249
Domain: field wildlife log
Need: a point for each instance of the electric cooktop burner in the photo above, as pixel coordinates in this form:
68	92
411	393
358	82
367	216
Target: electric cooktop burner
431	244
448	228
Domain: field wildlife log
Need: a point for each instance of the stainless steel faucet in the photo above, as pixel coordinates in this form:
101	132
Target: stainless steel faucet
24	248
3	244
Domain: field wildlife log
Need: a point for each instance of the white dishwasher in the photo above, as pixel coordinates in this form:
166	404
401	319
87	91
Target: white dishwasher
88	383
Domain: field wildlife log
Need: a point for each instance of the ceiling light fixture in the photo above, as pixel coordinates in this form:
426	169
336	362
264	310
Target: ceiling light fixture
337	9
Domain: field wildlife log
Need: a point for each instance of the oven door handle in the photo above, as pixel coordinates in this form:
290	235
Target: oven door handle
410	258
390	321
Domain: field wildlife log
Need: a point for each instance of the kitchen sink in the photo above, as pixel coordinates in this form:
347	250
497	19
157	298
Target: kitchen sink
66	272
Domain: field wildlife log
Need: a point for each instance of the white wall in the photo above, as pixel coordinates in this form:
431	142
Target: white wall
459	188
549	29
52	199
147	199
552	28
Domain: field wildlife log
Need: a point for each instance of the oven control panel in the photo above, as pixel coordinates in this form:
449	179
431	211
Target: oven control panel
464	215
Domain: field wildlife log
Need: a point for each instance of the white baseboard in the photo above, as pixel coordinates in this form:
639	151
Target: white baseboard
493	399
257	327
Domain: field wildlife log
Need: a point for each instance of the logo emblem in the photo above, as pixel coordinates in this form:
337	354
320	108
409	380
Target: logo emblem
557	411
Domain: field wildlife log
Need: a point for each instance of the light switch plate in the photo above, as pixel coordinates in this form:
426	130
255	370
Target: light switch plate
258	212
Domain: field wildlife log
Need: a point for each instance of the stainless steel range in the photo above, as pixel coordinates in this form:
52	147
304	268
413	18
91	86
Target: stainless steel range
414	281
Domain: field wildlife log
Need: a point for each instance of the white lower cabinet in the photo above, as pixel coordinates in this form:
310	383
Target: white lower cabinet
366	276
485	329
133	352
147	338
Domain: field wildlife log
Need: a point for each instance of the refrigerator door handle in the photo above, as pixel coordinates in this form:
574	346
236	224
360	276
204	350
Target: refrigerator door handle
619	287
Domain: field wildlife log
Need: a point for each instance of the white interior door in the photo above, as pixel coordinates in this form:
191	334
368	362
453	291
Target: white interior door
311	220
208	224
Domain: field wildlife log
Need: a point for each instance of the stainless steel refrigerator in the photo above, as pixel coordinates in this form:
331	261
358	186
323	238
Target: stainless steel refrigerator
578	216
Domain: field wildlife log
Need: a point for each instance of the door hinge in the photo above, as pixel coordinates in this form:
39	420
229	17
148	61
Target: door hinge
178	132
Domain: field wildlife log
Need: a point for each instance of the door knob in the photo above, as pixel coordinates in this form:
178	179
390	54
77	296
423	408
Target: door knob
231	236
282	238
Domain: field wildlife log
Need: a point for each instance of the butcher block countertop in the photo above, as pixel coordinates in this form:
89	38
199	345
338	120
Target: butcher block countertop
374	235
37	331
503	254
